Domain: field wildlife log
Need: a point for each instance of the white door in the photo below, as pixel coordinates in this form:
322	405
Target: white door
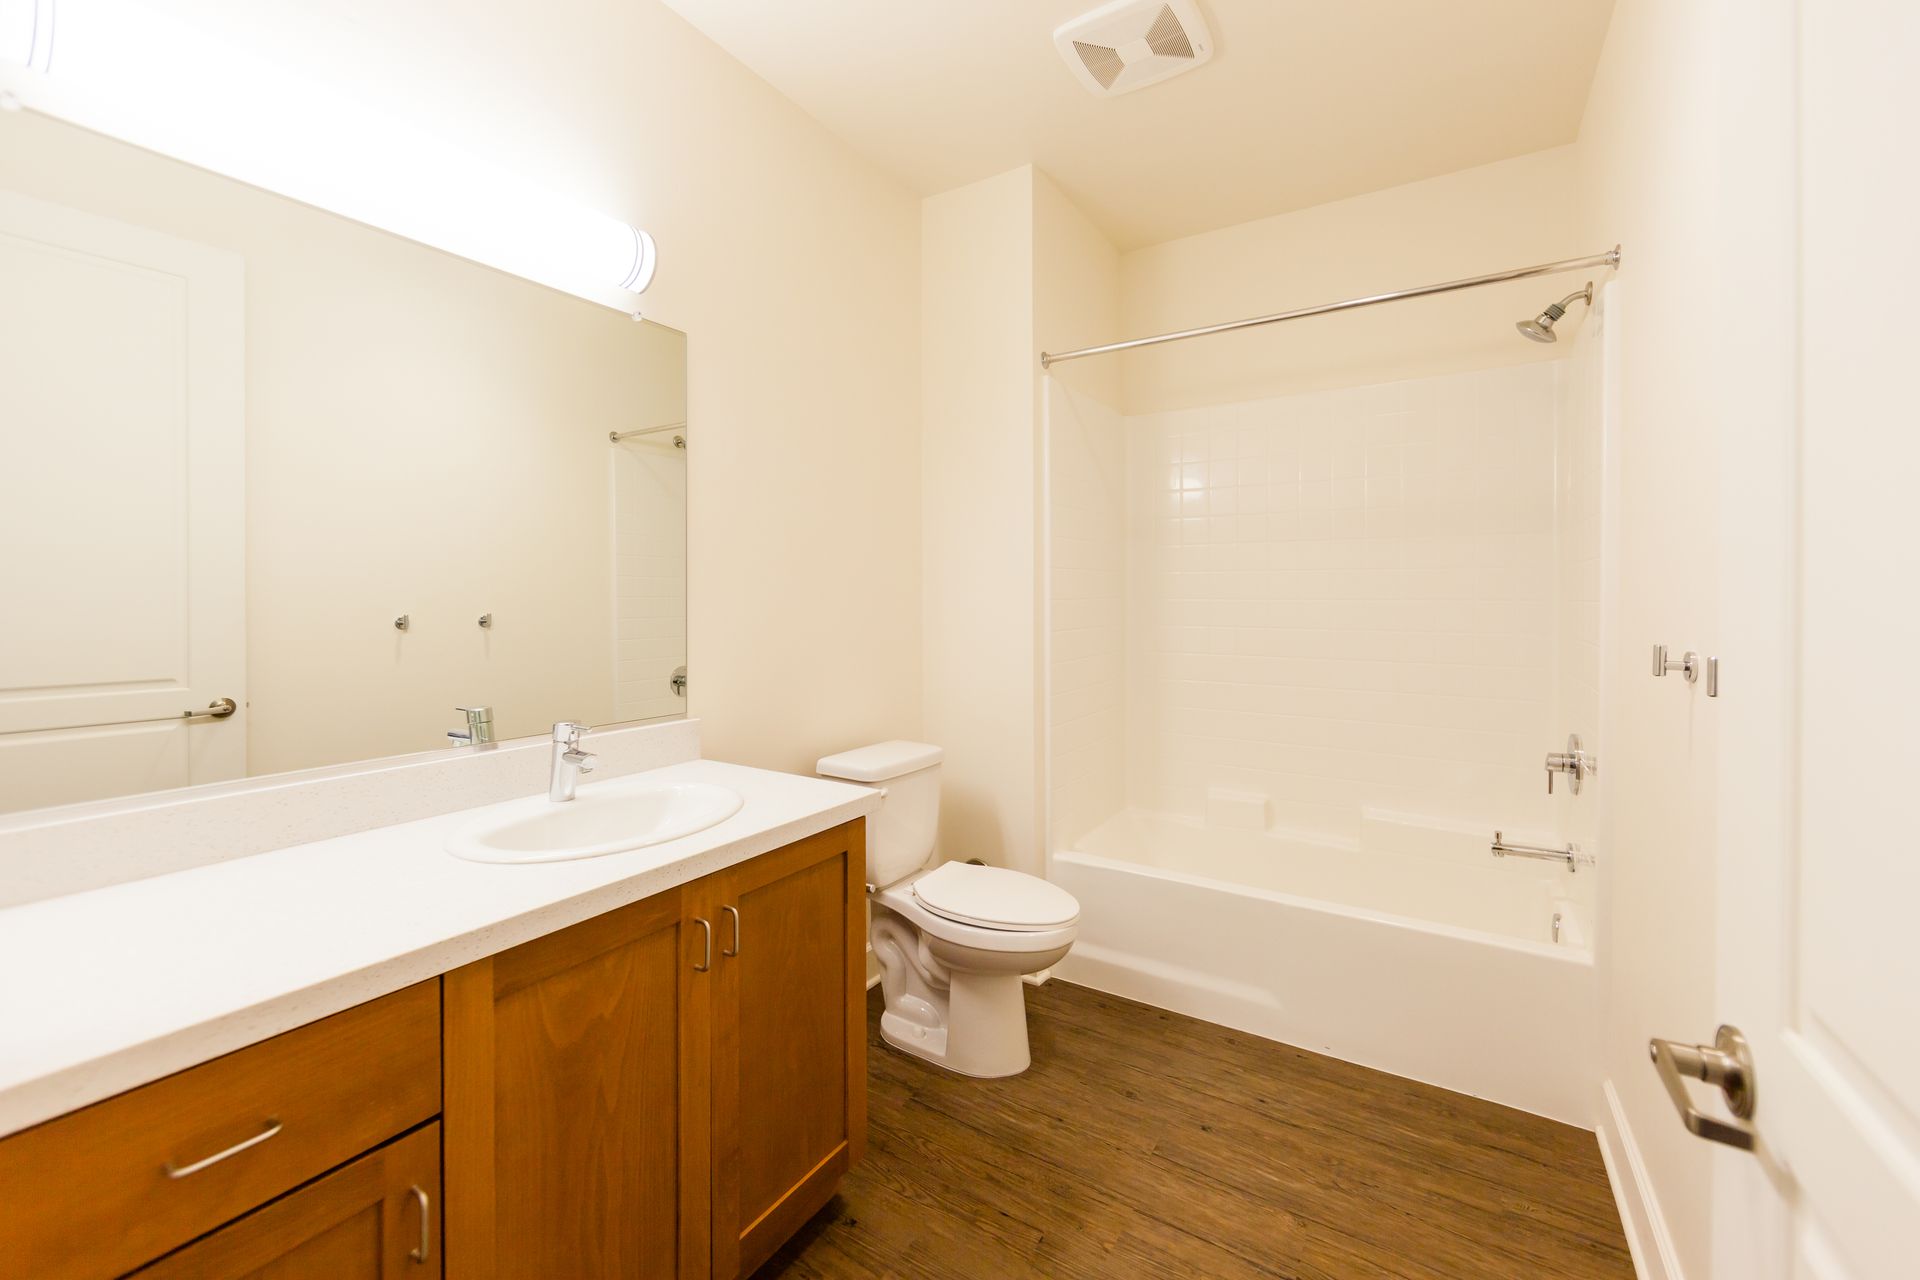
1819	866
122	508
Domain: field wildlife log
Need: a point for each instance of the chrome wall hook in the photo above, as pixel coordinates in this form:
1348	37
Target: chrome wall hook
486	621
403	622
1688	666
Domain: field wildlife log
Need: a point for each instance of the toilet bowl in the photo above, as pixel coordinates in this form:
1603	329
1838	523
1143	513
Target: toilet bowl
953	941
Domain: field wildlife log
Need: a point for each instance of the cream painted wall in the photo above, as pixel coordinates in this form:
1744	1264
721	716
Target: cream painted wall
1648	173
1510	214
978	482
789	261
1009	266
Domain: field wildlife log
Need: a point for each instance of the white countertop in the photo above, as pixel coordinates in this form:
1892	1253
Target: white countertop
108	989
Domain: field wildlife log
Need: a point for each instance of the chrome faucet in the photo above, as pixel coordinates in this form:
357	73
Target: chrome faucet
569	761
479	730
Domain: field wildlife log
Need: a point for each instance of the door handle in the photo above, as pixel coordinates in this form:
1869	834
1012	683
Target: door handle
734	950
1726	1063
706	944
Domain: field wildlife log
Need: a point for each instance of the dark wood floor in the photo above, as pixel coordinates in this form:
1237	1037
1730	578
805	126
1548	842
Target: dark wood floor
1142	1143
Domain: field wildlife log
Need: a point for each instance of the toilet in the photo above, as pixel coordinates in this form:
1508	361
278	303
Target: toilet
953	941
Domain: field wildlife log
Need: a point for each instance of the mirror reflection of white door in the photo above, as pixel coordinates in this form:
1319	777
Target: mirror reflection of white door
1819	868
122	508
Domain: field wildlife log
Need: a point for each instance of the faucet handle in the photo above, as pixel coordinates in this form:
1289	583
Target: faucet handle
568	732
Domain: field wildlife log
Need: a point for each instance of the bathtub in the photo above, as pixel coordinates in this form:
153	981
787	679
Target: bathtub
1410	949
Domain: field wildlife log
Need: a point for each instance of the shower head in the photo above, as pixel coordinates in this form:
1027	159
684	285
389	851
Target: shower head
1540	328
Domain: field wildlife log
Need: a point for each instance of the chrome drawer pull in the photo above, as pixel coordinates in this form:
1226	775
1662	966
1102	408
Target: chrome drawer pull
706	944
735	949
181	1171
425	1250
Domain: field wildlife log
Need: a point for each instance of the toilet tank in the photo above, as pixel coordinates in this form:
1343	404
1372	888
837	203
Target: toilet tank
900	832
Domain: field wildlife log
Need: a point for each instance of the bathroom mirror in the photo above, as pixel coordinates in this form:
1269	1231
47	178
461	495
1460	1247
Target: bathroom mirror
255	455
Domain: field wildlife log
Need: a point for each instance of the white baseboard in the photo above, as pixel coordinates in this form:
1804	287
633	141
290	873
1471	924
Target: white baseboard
1648	1239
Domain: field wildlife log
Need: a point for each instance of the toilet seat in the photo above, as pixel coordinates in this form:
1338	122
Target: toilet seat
901	899
995	898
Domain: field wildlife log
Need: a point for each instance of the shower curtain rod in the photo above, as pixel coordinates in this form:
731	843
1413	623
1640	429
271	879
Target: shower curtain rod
1610	259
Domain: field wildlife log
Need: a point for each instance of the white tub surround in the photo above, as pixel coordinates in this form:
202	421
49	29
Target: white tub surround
120	985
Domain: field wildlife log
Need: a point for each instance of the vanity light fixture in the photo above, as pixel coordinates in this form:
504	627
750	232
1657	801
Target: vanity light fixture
26	33
115	67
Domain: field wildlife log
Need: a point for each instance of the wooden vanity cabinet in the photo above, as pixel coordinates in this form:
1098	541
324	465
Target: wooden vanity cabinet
575	1098
374	1219
666	1090
103	1190
789	1040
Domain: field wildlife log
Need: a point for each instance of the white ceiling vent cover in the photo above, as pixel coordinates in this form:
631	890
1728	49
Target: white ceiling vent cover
1131	44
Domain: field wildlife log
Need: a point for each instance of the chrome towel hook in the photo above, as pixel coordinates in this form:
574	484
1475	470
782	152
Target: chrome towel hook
1688	666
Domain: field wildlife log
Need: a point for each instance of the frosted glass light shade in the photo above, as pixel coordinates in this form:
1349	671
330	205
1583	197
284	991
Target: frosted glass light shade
115	67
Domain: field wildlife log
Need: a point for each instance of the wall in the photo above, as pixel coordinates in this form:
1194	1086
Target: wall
1579	487
1343	602
790	263
1009	267
1514	213
1649	180
979	529
1087	612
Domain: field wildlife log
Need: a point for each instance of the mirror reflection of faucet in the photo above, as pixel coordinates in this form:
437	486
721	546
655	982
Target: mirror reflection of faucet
569	761
479	730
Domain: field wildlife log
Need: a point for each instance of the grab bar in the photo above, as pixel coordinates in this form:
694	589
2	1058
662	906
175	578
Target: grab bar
1568	855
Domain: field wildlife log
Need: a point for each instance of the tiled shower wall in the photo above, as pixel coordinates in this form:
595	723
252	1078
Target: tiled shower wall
650	577
1346	604
1577	532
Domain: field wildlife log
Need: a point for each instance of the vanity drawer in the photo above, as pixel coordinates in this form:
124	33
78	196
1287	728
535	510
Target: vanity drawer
99	1192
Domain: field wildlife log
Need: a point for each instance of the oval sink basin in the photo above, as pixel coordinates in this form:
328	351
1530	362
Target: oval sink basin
611	817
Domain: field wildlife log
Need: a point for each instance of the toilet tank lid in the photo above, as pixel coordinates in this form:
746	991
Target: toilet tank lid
880	761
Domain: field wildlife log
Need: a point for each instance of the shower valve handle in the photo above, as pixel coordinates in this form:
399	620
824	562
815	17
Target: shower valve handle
1573	762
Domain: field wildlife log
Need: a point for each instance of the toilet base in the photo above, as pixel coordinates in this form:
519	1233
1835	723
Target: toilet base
985	1025
955	994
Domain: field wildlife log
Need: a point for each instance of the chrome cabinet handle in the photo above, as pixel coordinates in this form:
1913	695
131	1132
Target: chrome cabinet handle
735	913
425	1251
187	1170
706	945
1727	1063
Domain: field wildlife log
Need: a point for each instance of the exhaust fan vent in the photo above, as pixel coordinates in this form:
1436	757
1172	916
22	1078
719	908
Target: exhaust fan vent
1131	44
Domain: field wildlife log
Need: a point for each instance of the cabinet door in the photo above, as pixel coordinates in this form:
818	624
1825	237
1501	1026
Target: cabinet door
374	1219
789	1039
576	1102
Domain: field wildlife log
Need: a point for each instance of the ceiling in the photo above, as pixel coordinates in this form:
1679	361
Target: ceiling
1303	102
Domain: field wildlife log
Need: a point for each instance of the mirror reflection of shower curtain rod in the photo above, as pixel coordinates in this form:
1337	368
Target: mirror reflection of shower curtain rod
1609	259
618	436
